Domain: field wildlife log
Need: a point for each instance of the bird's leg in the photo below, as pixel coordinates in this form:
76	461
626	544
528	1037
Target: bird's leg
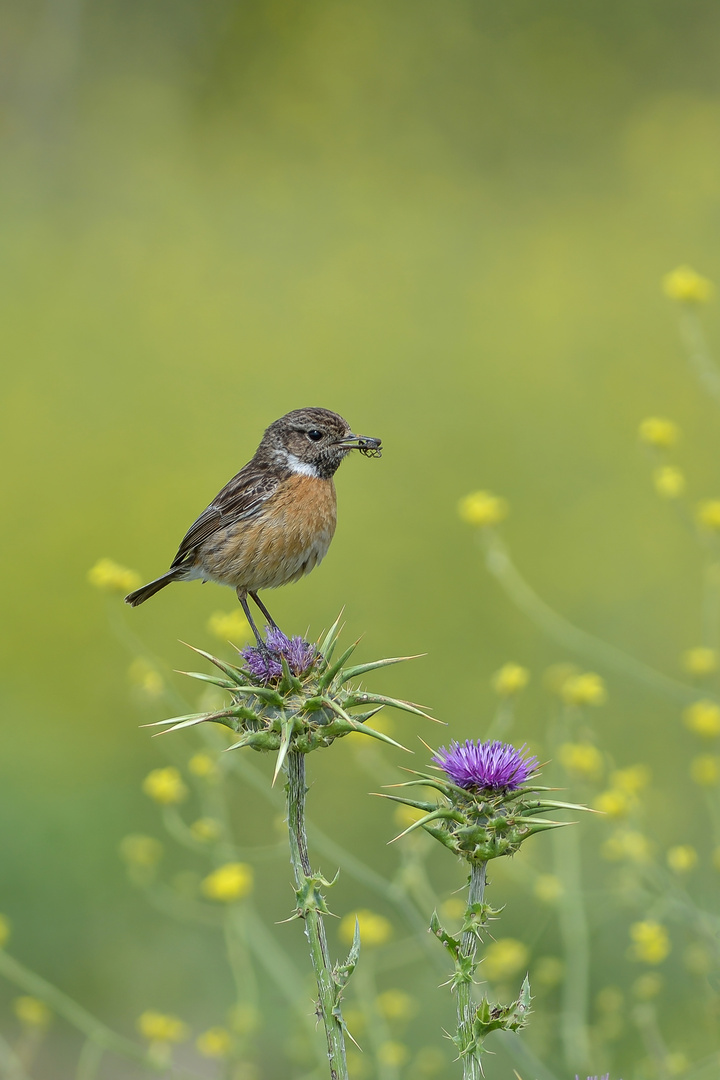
242	597
265	611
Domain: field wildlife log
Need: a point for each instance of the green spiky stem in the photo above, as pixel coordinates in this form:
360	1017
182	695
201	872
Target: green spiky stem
309	909
466	1007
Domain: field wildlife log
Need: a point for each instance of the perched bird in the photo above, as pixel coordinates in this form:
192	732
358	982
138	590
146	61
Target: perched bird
273	522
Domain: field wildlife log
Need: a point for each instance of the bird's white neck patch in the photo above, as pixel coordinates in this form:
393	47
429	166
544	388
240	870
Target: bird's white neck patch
300	468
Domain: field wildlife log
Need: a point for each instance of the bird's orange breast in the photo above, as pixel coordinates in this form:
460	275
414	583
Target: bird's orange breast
286	540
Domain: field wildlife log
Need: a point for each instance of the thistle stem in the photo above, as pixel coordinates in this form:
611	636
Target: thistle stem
466	1007
310	904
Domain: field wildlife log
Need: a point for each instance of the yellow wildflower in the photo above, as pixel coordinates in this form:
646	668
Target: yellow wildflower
4	931
510	680
708	514
656	431
161	1027
111	577
703	717
548	888
405	816
396	1005
482	508
216	1042
165	786
206	829
583	759
647	986
610	999
687	286
32	1012
146	677
651	943
631	780
682	858
676	1063
139	850
548	971
614	803
453	908
393	1054
229	625
374	929
503	958
669	481
705	770
585	689
700	660
555	677
229	882
627	844
244	1018
201	765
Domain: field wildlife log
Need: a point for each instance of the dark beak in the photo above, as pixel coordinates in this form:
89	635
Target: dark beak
364	443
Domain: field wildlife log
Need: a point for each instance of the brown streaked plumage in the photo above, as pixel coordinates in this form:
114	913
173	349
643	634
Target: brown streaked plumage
273	522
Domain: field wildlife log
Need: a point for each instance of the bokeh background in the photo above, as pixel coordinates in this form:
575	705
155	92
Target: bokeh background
447	222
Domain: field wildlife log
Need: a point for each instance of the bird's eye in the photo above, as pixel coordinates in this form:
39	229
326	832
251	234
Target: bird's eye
315	435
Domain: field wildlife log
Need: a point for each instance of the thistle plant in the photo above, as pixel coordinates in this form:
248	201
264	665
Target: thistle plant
290	697
489	806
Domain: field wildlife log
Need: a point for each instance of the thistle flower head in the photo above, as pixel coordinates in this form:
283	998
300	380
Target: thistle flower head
485	765
291	695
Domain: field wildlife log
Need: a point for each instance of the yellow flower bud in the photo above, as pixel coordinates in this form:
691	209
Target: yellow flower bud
610	999
682	858
374	929
482	508
658	432
582	759
647	986
32	1012
631	780
244	1018
229	626
510	680
700	660
217	1042
142	851
452	908
229	882
165	786
393	1054
669	482
614	803
405	816
109	576
708	514
503	958
4	931
146	677
585	689
627	844
548	888
651	943
161	1027
548	971
202	765
705	770
687	286
703	717
396	1005
206	830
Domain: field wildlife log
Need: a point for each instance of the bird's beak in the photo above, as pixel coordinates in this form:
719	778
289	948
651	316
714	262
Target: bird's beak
364	443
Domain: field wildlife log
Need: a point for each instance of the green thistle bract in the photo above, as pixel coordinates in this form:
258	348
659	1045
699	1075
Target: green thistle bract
296	712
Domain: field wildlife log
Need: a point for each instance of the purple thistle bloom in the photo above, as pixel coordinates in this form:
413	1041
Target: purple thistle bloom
264	664
485	765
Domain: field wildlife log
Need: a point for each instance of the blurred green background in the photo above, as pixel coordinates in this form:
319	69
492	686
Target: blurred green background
447	222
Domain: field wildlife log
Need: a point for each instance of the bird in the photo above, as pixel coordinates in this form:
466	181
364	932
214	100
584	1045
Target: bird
273	522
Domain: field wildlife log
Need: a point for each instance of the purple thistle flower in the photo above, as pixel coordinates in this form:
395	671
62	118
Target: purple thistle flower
264	664
485	765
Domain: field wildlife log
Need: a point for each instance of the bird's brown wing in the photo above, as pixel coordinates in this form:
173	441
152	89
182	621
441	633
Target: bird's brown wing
242	497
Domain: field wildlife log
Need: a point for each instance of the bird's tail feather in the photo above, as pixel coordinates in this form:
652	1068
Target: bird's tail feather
146	591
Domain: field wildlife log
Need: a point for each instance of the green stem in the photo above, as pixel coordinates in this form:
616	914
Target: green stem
466	1007
576	948
89	1061
698	353
310	904
93	1029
